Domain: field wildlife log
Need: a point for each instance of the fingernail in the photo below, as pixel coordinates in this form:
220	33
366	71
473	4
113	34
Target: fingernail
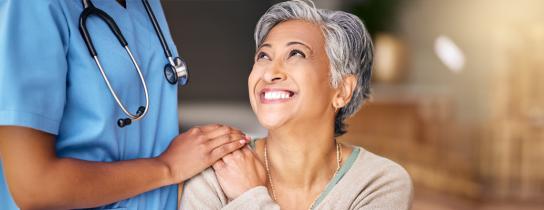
242	141
248	137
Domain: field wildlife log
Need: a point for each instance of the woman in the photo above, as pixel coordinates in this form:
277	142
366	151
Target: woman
60	144
312	70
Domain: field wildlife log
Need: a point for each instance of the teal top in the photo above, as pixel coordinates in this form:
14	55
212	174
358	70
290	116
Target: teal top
341	172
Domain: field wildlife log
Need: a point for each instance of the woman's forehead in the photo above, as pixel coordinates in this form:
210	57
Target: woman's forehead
291	31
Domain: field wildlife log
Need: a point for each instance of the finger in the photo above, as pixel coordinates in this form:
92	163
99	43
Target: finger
260	169
247	151
210	127
220	131
228	158
237	154
194	130
234	157
251	152
218	165
225	139
225	149
258	165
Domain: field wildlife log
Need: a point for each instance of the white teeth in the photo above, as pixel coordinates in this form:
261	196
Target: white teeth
276	95
285	95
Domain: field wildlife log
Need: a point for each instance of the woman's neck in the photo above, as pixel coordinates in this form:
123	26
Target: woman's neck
302	159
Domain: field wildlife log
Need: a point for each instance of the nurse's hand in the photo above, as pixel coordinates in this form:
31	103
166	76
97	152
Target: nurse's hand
197	149
239	172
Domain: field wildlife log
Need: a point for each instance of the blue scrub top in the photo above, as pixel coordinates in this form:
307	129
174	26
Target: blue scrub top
49	82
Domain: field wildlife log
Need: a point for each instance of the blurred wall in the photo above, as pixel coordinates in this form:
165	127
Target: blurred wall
490	145
216	40
476	26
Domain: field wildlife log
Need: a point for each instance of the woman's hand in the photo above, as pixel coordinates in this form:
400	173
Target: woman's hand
200	147
239	172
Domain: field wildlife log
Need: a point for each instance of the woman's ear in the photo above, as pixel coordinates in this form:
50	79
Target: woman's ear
344	92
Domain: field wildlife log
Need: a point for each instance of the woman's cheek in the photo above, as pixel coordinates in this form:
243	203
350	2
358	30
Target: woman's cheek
252	85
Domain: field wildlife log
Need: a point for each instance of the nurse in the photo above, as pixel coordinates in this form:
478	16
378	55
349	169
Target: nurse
60	143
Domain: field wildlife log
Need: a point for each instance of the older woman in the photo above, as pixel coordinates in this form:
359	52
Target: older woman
312	71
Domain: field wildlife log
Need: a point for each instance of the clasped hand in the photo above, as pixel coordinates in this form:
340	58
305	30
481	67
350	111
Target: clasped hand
239	172
198	148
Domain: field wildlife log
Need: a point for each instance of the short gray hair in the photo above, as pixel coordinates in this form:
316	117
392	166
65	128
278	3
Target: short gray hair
347	43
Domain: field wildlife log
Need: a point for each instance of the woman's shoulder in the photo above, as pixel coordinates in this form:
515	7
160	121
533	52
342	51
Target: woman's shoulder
203	190
204	180
372	182
380	182
383	167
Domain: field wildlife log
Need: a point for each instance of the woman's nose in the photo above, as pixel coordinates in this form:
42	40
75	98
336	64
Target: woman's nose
274	74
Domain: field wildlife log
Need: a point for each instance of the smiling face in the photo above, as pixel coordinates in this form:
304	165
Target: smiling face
290	83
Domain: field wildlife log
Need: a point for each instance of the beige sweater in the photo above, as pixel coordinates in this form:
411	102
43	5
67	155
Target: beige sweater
372	182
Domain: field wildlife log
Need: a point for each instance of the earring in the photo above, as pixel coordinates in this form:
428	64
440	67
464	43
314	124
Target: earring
337	106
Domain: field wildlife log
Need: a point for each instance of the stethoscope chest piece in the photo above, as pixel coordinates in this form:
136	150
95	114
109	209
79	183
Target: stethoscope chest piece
176	72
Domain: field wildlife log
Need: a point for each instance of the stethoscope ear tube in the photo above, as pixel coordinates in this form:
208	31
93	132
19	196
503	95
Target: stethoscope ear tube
127	121
91	10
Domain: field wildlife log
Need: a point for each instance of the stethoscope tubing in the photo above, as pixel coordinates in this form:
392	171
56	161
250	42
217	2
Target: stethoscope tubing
134	117
158	30
89	10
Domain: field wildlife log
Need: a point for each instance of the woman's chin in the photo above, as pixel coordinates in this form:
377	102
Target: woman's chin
271	121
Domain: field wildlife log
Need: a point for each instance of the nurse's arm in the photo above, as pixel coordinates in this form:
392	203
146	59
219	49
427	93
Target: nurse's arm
38	179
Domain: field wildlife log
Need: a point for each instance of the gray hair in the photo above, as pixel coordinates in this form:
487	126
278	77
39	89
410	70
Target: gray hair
347	43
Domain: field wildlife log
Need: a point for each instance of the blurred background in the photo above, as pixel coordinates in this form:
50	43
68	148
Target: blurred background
458	96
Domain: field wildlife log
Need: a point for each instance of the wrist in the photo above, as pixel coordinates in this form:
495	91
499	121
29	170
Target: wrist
168	172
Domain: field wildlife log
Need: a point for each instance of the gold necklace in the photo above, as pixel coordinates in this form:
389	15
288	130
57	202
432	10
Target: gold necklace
269	175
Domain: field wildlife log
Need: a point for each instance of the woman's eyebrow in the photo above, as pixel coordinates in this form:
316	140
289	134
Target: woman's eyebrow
288	44
300	43
264	45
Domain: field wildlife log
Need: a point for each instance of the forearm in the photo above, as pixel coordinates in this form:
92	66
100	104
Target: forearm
70	183
39	179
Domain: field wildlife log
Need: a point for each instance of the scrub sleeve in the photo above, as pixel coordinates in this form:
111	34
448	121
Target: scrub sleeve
32	64
33	69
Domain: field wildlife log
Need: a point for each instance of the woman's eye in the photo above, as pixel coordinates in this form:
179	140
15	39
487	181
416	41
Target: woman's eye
297	53
262	55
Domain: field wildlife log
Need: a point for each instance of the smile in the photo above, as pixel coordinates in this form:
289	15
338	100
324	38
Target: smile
275	96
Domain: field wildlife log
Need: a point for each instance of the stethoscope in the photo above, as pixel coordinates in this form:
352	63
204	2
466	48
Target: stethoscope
175	71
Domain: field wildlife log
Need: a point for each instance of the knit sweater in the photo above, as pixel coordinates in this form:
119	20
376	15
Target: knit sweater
372	183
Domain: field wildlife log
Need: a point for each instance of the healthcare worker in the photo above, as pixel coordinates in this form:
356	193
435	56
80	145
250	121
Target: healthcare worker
71	137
